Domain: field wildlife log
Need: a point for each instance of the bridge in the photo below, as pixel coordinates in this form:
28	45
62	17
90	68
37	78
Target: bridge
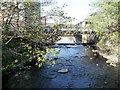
82	37
73	31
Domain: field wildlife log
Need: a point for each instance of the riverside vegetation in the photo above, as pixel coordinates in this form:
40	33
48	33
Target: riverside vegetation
106	26
24	40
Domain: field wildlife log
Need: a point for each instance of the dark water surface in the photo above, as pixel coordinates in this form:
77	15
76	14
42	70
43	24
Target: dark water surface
84	71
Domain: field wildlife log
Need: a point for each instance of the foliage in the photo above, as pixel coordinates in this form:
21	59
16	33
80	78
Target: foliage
105	22
107	15
23	38
59	15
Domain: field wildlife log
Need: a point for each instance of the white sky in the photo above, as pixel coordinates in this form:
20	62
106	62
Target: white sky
79	9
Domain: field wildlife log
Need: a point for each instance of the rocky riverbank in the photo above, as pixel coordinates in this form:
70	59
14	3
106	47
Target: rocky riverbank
111	58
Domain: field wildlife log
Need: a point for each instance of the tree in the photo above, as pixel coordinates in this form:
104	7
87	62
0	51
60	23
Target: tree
105	23
59	15
106	15
22	36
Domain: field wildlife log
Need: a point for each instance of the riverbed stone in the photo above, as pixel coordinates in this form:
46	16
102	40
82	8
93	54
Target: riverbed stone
64	70
97	64
95	54
91	58
105	83
75	56
83	56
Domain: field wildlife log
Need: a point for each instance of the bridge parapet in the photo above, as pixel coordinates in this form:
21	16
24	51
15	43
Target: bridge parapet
83	36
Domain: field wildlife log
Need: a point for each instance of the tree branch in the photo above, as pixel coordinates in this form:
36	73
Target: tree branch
10	39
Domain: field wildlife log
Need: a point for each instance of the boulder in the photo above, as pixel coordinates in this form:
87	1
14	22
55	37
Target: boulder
64	70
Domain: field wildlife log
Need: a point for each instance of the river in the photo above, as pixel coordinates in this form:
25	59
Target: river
85	70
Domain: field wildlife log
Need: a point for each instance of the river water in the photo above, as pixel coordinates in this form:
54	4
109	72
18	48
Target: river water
85	70
67	39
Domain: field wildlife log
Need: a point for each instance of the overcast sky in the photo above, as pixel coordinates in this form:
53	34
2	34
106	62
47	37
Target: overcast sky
76	8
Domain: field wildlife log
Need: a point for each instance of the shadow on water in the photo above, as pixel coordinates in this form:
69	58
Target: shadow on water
84	70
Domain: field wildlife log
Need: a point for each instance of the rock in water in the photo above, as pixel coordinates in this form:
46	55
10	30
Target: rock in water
91	58
97	64
113	64
105	83
65	70
95	54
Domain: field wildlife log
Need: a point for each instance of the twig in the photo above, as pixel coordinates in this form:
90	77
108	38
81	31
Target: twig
10	39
